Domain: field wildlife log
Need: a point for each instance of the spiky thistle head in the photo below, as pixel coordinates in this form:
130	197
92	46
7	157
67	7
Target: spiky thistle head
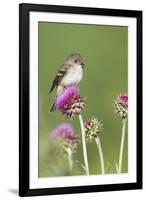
70	103
93	128
121	105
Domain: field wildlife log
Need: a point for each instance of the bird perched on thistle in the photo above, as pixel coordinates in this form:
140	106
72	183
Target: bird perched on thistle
70	73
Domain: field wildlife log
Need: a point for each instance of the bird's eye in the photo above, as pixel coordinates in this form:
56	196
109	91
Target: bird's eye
76	61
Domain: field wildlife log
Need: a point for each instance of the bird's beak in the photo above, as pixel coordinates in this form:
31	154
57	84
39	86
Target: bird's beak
82	65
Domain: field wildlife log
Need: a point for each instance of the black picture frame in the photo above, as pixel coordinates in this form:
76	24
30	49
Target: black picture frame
24	10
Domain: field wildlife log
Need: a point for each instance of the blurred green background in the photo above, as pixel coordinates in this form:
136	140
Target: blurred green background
105	53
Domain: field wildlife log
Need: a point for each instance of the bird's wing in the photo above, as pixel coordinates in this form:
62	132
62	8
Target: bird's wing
61	72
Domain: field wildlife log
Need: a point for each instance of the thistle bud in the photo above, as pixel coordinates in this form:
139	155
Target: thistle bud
121	105
93	128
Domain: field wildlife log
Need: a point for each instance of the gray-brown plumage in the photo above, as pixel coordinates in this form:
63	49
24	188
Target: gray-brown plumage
62	70
69	73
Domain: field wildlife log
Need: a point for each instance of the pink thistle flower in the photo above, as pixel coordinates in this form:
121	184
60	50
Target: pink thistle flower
63	130
68	95
70	103
121	105
123	99
65	135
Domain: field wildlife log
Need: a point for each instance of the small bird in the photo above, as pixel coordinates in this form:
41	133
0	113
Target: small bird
69	73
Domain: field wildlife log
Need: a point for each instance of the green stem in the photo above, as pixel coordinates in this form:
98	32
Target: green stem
122	145
69	153
84	145
98	143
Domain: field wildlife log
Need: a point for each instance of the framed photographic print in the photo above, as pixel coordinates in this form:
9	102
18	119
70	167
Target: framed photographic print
80	99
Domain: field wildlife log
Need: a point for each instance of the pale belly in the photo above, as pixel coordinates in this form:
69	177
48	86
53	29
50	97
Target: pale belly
73	77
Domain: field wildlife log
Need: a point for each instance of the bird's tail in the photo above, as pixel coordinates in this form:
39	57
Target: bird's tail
53	108
60	89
